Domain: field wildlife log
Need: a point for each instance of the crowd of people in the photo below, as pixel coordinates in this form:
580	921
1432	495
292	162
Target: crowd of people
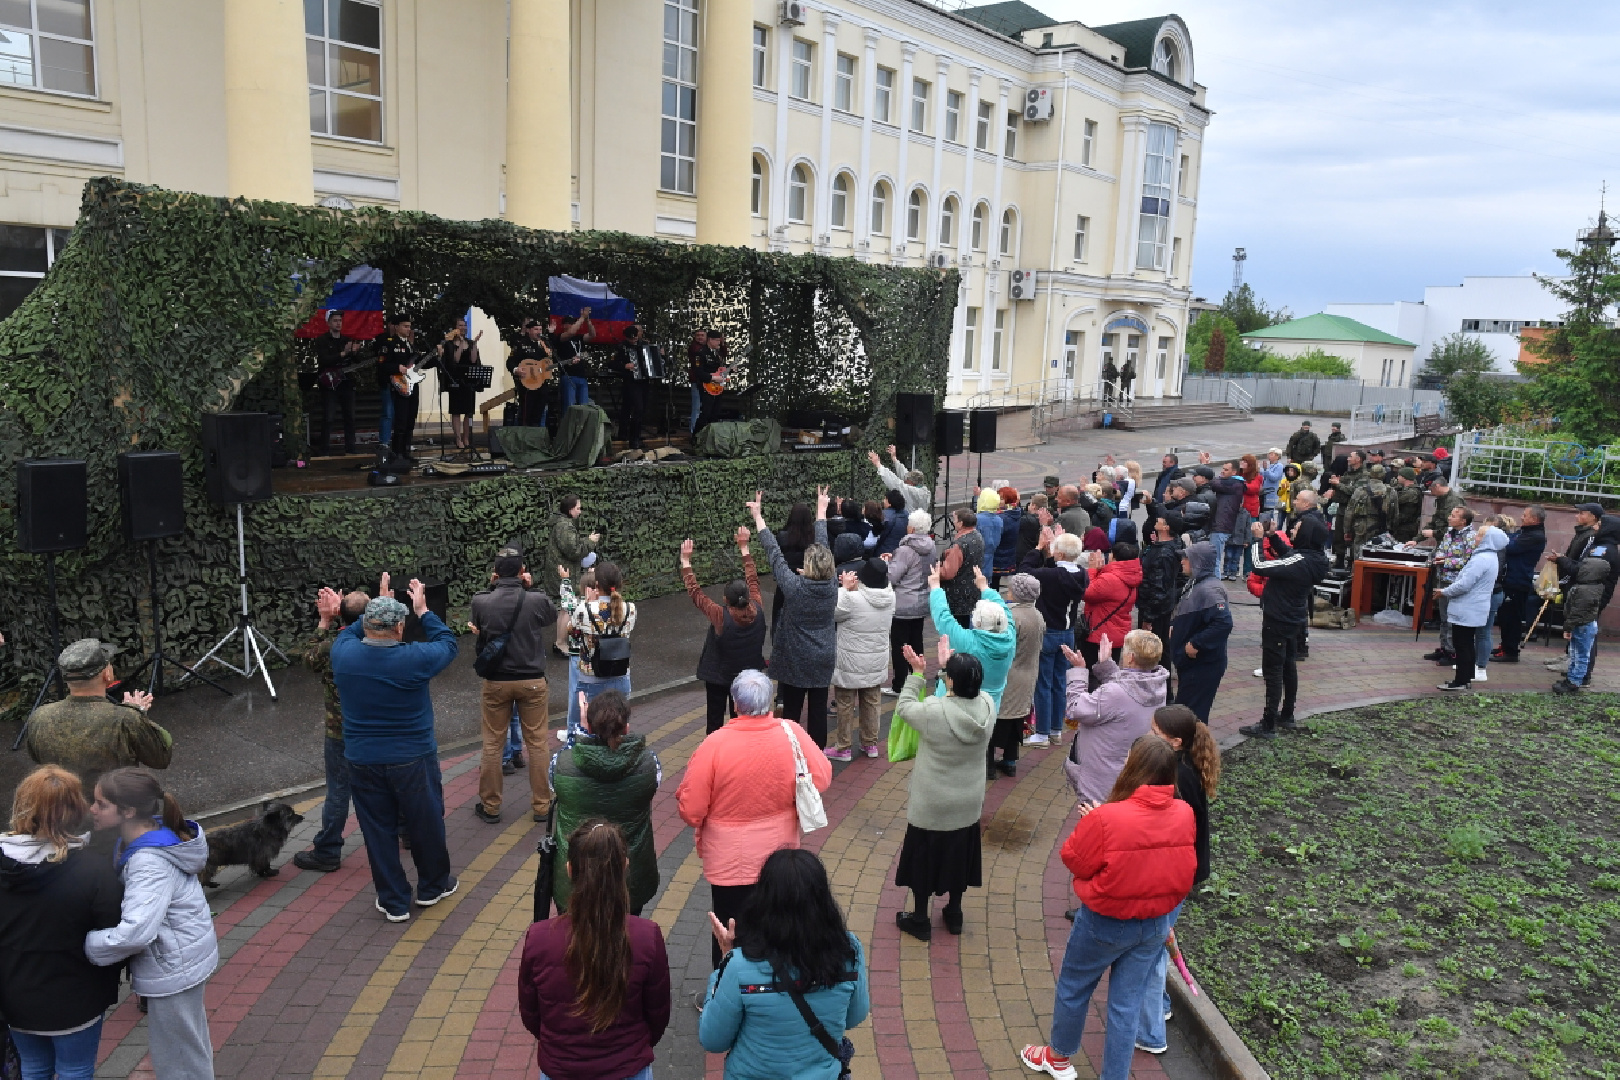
1098	608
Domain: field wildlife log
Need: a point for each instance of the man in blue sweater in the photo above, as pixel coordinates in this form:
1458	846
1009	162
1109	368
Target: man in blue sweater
389	743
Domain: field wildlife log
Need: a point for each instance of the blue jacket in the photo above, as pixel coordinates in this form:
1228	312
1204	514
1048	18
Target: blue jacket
894	531
1470	591
387	709
761	1031
990	529
1270	477
1006	553
1523	552
994	651
1203	617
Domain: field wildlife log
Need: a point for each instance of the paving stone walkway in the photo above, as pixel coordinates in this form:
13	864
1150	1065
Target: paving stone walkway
314	983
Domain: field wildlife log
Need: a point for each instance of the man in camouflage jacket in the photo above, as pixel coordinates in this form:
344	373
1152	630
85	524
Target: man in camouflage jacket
1407	513
89	735
327	853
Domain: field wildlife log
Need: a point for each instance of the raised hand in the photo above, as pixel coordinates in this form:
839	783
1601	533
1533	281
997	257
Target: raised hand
686	552
562	572
1105	647
723	935
943	650
821	501
890	449
849	581
871	455
743	536
385	587
753	508
595	537
933	577
979	580
914	659
138	699
418	594
1074	658
328	605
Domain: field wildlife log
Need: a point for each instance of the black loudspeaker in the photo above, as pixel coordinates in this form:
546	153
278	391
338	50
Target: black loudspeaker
438	602
150	483
236	448
948	433
982	431
913	418
51	505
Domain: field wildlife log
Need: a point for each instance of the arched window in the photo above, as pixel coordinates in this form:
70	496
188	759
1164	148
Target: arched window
798	193
1009	233
1165	60
840	201
756	191
947	222
880	208
914	215
976	234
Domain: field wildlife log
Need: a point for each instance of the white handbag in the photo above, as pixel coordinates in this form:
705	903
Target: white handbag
812	815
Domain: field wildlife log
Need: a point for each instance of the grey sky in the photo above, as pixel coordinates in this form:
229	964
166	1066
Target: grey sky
1362	151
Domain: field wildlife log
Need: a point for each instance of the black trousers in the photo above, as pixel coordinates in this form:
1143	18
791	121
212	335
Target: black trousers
1278	645
727	903
1463	641
903	632
1511	617
331	402
708	408
1196	687
793	698
632	408
1007	736
405	423
718	704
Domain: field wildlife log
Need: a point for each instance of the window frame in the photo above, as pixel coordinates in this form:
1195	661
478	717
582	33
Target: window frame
917	118
801	66
1175	256
916	216
756	188
976	227
1007	238
969	330
953	116
1082	230
1074	345
1010	141
947	220
838	202
1162	359
996	333
762	57
1088	142
981	126
798	185
55	239
844	99
883	95
328	90
1158	176
878	209
36	60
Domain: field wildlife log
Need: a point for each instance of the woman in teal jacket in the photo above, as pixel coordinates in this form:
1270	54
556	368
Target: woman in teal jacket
992	638
793	939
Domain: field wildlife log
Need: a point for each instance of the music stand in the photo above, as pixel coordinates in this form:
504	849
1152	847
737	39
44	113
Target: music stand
478	377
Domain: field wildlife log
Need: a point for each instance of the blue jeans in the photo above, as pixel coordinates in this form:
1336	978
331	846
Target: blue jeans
697	407
1218	542
514	737
592	687
385	422
328	842
1156	999
1581	640
410	792
1124	948
1051	685
67	1057
575	391
1482	636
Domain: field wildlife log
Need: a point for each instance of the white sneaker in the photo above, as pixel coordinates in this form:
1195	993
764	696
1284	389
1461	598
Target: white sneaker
1479	674
1259	673
1037	740
1152	1049
389	915
890	692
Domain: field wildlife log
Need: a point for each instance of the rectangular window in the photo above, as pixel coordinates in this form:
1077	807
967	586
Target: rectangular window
981	136
967	338
343	52
1402	380
1088	144
762	53
1108	342
804	55
48	45
995	339
1181	176
884	95
26	253
1133	349
1082	225
1074	343
844	84
1153	229
677	165
1011	148
840	201
1175	256
953	115
1163	359
919	105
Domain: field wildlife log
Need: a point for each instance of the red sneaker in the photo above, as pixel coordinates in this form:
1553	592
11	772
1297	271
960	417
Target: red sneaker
1042	1060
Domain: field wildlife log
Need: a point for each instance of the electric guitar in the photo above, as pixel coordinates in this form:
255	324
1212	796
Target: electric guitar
405	381
332	378
717	382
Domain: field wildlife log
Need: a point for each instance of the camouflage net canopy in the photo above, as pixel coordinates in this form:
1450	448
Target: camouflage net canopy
166	305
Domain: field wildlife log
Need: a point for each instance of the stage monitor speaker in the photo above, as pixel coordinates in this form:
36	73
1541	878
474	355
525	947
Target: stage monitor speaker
948	433
913	418
982	431
151	486
51	505
438	602
236	446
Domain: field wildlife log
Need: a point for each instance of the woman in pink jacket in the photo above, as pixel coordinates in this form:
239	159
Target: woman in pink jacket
738	794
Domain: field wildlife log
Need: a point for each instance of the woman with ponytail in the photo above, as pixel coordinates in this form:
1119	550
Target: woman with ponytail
603	614
593	986
165	923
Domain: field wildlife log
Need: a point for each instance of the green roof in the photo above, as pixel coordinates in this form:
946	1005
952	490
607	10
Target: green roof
1011	18
1324	327
1137	37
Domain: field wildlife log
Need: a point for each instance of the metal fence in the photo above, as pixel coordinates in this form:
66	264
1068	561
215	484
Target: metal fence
1384	423
1491	464
1318	396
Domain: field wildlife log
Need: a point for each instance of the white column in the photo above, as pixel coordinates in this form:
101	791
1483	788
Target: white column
942	71
965	234
779	169
822	225
902	179
987	314
863	183
1132	147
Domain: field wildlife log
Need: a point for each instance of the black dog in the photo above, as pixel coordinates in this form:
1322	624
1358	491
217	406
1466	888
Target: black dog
252	843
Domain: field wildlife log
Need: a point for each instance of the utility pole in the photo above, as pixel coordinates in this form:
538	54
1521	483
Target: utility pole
1239	257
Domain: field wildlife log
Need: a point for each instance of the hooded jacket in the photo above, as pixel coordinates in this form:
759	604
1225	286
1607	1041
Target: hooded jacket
994	651
848	553
1584	600
894	530
947	778
46	909
593	781
1006	555
990	528
1291	576
1161	578
1519	559
804	645
1134	859
1203	617
1608	536
1111	717
1229	493
1030	632
1110	598
908	575
863	619
165	923
1470	591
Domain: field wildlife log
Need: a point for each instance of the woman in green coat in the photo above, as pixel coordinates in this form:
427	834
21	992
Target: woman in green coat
608	774
565	548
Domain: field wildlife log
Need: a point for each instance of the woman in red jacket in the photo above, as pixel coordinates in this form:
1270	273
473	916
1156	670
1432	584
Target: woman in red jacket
1111	600
1133	860
593	986
1253	482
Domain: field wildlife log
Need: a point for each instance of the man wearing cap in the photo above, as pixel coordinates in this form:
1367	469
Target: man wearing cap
513	612
1050	483
1407	513
1303	445
390	746
1329	448
1445	501
1368	511
89	735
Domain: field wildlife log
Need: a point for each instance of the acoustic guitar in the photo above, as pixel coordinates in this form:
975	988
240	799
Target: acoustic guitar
533	374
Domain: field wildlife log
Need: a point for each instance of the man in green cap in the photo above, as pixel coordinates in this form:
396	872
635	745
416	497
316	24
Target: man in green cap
1329	448
1051	483
89	735
1303	445
1445	501
1367	509
1407	514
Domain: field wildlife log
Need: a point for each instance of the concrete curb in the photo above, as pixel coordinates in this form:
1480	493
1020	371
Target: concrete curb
1210	1037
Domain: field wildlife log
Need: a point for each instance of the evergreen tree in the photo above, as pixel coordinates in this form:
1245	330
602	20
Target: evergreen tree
1456	353
1248	312
1578	378
1215	356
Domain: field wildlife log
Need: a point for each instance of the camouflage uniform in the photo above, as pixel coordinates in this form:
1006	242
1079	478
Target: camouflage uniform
318	658
91	735
1443	505
1342	494
1367	510
1408	512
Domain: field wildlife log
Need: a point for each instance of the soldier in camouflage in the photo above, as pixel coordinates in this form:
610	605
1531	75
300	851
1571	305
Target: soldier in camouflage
1445	501
89	735
1344	489
1368	510
1407	514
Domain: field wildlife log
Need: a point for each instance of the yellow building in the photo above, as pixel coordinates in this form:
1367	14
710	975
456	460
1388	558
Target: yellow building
1056	165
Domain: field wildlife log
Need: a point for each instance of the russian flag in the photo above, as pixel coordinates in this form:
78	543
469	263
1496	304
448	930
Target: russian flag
610	312
360	297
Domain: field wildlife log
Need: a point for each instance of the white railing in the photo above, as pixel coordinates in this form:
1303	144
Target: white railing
1387	422
1488	463
1239	398
1019	396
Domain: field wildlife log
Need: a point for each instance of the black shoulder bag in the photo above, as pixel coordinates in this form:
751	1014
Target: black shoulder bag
842	1050
489	657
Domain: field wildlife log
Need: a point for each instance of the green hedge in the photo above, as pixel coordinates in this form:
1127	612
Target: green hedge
167	305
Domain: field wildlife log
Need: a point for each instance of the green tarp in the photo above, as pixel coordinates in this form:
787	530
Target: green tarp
739	438
581	439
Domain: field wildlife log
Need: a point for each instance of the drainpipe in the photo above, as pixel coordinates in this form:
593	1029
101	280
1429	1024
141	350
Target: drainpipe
1057	196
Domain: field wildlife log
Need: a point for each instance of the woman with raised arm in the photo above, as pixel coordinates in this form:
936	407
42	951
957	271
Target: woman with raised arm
804	641
736	638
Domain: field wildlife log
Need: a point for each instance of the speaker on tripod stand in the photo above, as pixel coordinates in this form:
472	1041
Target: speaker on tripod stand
51	518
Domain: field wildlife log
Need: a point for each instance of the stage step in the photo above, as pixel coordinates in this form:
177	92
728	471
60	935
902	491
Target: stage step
1163	416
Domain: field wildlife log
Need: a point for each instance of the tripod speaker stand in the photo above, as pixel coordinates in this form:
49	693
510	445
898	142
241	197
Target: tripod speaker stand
53	674
254	642
155	661
51	517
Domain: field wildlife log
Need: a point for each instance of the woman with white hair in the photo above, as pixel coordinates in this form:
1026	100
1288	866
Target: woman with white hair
908	577
738	794
804	638
989	635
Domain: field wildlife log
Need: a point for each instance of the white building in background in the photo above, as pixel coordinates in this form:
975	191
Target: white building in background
1493	309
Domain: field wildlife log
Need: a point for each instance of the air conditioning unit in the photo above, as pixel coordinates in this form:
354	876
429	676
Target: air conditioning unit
792	13
1022	285
939	260
1037	103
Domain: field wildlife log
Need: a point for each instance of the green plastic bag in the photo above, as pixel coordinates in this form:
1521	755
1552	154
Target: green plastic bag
903	740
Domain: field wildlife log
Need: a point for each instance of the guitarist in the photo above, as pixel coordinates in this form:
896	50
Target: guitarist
706	367
532	358
568	347
335	357
402	366
394	353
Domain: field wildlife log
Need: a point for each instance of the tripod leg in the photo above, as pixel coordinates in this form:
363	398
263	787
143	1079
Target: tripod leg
250	640
213	655
39	699
192	673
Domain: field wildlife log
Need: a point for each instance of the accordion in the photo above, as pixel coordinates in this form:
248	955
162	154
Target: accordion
649	361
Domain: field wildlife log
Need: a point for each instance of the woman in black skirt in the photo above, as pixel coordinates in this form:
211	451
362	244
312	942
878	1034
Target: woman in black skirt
456	354
941	850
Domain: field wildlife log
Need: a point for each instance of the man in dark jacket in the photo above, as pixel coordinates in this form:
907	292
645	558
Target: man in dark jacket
86	733
512	608
1169	469
1228	489
1330	447
326	851
1063	587
1071	515
1188	517
1292	573
1161	578
1344	487
1407	514
1199	630
1303	445
1518	580
1595	535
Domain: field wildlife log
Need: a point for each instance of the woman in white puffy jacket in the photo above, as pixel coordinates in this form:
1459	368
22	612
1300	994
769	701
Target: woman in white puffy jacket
865	610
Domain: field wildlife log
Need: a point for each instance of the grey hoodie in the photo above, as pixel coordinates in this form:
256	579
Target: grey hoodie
908	575
165	923
1111	717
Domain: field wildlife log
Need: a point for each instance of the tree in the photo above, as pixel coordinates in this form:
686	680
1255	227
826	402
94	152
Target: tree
1235	356
1314	361
1248	312
1456	353
1478	400
1215	356
1578	378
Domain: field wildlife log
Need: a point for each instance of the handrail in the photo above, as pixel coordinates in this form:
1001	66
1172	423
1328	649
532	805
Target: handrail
1239	398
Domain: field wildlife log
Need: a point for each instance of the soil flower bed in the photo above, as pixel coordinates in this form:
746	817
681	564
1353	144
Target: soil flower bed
1423	889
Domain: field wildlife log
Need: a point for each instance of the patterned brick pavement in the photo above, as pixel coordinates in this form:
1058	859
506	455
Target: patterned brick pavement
313	983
